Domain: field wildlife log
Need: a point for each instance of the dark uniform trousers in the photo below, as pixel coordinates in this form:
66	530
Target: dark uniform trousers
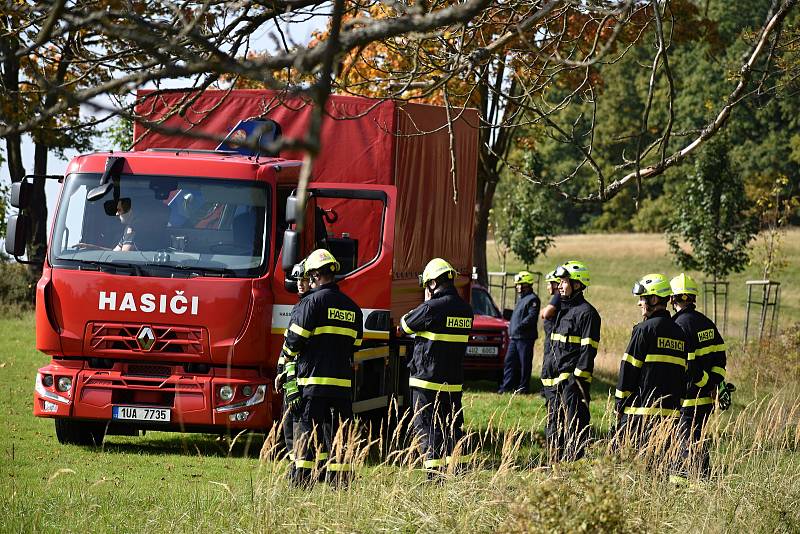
517	366
321	431
438	421
441	327
567	430
695	454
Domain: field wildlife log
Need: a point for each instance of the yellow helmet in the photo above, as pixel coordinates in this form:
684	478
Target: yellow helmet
436	268
523	277
652	284
683	284
551	277
574	270
318	259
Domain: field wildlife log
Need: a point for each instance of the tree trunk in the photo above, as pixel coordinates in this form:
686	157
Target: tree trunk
483	203
8	47
37	211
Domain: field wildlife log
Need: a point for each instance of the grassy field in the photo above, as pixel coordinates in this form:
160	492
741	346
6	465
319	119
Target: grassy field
188	482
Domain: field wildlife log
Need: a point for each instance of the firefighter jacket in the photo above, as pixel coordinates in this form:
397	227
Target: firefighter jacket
525	317
285	352
441	328
654	368
573	344
324	330
709	356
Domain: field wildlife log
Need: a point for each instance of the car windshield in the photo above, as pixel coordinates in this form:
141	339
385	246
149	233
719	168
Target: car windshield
482	303
163	226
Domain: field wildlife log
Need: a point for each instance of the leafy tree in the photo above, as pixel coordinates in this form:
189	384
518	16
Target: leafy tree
775	201
713	217
523	218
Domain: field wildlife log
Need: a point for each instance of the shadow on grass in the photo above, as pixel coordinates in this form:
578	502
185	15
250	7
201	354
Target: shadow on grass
491	442
245	446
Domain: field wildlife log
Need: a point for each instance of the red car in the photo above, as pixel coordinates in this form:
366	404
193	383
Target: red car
488	340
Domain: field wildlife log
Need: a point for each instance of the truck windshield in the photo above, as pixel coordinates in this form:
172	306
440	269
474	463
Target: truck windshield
164	226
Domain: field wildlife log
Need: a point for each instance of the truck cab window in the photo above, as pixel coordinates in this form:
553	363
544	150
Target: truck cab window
164	226
351	229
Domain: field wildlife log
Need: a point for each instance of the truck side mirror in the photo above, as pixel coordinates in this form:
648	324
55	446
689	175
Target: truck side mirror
114	165
17	234
292	209
507	314
291	244
21	194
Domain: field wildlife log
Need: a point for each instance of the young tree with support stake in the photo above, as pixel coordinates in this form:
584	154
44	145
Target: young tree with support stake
713	220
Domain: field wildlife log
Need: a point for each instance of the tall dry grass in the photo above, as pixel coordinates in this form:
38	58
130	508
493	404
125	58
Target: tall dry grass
621	486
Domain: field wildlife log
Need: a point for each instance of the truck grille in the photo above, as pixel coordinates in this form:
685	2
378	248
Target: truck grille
113	337
135	369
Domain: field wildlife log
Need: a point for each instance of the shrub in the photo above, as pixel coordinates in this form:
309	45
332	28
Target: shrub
15	286
579	497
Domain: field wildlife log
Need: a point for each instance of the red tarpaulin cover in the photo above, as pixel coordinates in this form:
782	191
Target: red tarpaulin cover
363	141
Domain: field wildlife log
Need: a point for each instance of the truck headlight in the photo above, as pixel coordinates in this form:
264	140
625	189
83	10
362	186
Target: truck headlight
226	393
247	390
64	383
47	381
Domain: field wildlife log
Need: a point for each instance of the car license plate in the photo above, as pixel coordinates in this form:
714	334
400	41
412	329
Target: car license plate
473	350
140	413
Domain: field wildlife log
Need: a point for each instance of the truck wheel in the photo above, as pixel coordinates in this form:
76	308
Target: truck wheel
70	432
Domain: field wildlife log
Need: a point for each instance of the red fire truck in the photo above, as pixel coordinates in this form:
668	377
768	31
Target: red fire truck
164	295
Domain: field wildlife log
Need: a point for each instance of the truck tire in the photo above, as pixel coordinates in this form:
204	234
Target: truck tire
71	432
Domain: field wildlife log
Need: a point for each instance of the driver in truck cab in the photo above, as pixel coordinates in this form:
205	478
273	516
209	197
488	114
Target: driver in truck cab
144	224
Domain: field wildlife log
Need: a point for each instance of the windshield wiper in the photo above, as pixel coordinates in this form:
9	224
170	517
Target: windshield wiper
195	270
135	268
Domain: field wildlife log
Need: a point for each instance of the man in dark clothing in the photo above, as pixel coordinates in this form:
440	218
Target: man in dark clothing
441	328
287	365
567	374
322	336
522	335
710	360
655	367
548	315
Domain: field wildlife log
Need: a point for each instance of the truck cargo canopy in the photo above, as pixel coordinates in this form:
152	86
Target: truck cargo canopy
364	141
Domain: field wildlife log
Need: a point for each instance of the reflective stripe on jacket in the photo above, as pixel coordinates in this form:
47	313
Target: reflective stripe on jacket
441	327
325	328
709	355
573	344
654	368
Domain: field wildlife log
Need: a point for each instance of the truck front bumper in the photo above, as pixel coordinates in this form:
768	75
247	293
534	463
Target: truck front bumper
193	400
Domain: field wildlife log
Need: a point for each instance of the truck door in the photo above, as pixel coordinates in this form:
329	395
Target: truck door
356	224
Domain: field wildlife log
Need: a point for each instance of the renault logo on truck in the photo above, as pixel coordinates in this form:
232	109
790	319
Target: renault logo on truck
145	338
177	303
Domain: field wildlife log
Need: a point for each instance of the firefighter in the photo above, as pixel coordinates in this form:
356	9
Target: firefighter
441	327
522	333
322	336
549	313
287	365
567	370
655	367
710	360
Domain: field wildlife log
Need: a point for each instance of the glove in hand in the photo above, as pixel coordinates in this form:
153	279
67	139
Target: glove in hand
724	395
290	389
